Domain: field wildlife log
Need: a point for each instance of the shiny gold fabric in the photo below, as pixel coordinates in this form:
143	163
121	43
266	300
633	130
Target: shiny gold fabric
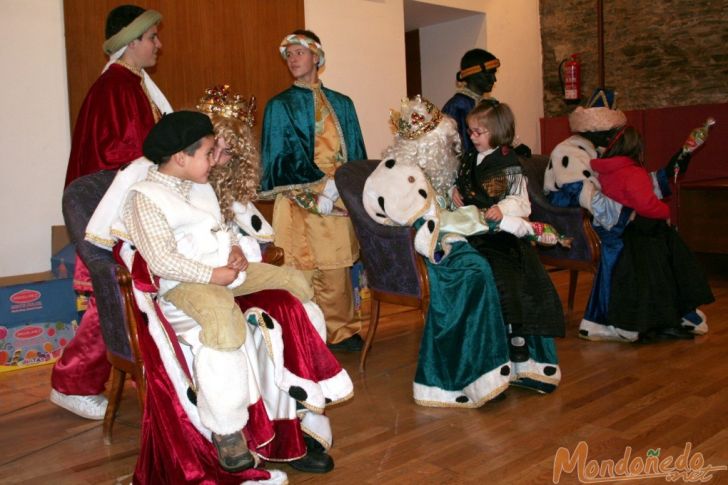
312	241
334	294
327	146
325	247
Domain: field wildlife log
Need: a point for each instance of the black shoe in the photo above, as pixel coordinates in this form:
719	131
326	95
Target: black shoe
232	452
662	334
353	344
518	349
316	459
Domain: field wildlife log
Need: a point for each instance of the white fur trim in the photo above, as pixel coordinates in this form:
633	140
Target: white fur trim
244	214
317	426
336	388
316	316
701	328
277	477
480	391
598	332
535	371
106	219
578	151
223	396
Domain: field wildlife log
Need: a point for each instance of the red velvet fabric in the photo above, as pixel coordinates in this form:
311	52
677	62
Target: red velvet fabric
83	368
172	450
305	354
114	119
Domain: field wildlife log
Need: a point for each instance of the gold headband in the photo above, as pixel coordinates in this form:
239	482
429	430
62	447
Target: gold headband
307	42
491	65
134	30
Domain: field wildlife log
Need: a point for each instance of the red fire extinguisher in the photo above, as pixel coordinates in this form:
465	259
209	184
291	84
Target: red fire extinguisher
570	77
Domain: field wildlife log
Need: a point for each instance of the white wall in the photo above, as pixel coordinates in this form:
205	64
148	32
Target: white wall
34	131
511	30
441	47
364	45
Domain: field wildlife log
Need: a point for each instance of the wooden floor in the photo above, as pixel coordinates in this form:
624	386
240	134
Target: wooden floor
612	396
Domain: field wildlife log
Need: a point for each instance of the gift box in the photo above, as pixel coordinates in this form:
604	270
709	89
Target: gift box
37	320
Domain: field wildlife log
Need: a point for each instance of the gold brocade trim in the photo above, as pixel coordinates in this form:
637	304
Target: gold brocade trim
317	437
266	334
151	302
486	398
311	407
261	445
271	194
469	93
120	235
107	243
539	378
156	112
335	118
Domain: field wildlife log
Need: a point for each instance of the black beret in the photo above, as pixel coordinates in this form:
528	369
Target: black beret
175	132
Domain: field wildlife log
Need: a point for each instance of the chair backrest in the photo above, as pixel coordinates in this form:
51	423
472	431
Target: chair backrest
570	221
387	252
79	202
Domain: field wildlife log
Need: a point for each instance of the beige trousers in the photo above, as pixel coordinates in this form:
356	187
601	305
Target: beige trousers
213	307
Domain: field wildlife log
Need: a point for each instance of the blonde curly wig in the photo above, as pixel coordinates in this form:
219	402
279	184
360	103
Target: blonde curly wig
238	179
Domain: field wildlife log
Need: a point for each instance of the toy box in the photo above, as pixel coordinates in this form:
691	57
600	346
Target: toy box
39	313
37	319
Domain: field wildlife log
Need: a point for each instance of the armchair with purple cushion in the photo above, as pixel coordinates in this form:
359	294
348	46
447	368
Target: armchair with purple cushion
395	272
571	221
112	290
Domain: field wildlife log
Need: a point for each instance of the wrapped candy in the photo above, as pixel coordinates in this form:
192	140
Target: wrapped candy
547	235
696	138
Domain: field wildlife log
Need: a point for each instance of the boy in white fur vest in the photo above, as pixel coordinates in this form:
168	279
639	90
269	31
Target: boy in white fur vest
174	219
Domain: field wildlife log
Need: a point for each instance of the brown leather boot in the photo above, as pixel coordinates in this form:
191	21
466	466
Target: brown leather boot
232	452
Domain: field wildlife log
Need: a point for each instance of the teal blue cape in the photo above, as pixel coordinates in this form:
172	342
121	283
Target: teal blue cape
289	135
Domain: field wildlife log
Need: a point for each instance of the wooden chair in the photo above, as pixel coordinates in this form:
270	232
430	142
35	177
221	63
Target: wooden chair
395	272
572	221
112	289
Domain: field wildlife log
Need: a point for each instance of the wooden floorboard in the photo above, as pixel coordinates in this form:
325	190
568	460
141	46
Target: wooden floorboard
612	396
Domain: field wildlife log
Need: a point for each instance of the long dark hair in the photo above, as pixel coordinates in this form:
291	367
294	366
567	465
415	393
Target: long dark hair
627	143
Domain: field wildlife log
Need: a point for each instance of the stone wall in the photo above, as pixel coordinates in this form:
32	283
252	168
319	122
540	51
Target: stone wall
657	53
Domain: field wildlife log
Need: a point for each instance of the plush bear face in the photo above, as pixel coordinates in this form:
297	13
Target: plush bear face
569	162
396	193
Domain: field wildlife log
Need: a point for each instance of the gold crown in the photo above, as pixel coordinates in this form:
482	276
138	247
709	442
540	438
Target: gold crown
416	117
219	100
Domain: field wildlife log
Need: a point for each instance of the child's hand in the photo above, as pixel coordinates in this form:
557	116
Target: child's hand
237	260
493	214
457	198
223	276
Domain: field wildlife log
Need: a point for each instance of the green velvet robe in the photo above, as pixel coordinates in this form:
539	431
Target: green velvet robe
289	134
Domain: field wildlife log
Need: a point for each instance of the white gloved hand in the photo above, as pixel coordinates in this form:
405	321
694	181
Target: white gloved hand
325	205
587	194
330	191
517	226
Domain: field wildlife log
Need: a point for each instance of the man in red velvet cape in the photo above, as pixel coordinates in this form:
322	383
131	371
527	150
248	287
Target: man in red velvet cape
118	112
